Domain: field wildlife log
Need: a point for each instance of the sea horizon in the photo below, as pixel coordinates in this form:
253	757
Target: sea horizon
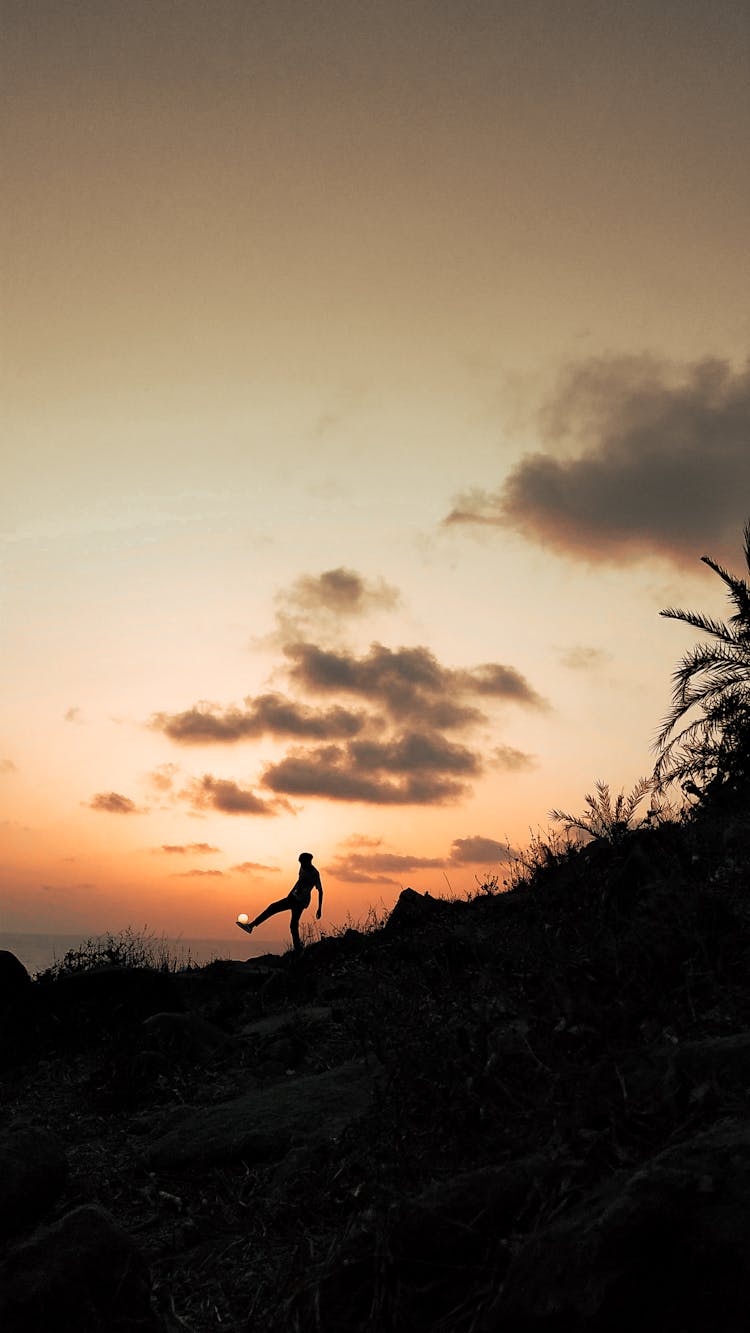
39	950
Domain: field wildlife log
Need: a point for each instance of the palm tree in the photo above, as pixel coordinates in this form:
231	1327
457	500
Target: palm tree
603	818
714	679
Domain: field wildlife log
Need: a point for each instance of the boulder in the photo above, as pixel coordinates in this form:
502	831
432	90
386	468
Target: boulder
18	1012
413	909
83	1274
33	1173
442	1244
303	1016
663	1248
108	999
183	1035
453	1221
14	979
263	1124
721	1060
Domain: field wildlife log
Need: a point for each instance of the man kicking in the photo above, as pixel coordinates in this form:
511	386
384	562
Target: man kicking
295	902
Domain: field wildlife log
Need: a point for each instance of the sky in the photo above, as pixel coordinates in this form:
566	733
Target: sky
373	375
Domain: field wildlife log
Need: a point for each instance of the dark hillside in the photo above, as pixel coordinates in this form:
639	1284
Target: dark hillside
525	1111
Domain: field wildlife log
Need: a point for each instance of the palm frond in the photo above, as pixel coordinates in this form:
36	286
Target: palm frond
717	706
738	588
706	624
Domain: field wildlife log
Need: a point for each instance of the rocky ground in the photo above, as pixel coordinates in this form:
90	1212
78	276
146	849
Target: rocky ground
521	1113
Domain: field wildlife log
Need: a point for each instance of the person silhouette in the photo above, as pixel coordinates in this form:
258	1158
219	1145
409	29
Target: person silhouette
295	902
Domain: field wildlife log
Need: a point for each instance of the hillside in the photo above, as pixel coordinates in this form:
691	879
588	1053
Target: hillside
522	1112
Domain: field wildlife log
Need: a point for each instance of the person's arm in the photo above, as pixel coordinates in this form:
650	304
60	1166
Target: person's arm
319	887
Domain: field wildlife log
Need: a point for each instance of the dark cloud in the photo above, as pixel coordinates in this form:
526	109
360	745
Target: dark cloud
409	770
388	748
479	851
502	682
269	714
188	849
413	752
197	874
249	868
378	867
112	803
408	682
210	793
661	464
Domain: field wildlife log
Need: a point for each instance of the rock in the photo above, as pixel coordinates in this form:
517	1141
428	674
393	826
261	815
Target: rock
110	998
184	1035
18	1011
263	1124
33	1173
14	979
303	1016
413	909
664	1248
288	1051
83	1274
440	1244
451	1222
251	975
724	1060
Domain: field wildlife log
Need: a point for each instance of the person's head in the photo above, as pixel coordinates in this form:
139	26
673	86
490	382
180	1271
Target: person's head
305	858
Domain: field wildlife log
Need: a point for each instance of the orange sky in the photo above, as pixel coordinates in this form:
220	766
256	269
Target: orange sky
327	326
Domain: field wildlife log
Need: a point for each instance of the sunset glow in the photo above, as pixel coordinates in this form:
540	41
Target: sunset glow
373	375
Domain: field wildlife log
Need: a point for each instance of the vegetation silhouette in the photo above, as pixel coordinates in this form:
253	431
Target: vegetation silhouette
296	901
605	819
710	755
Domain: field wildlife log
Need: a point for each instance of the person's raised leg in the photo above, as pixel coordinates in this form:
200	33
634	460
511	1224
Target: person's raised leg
282	905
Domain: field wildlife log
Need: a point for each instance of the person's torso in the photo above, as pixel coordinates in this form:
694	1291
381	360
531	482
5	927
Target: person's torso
302	891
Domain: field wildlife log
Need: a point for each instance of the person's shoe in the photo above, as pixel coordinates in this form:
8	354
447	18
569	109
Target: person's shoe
245	925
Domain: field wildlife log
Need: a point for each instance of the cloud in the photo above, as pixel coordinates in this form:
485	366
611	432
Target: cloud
112	803
7	766
505	756
390	863
163	777
185	849
660	464
361	840
408	682
414	769
350	876
478	851
196	874
581	658
377	867
387	747
228	797
318	605
249	868
73	715
269	714
340	592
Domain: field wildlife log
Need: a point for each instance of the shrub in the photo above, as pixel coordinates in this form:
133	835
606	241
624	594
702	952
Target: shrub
126	948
